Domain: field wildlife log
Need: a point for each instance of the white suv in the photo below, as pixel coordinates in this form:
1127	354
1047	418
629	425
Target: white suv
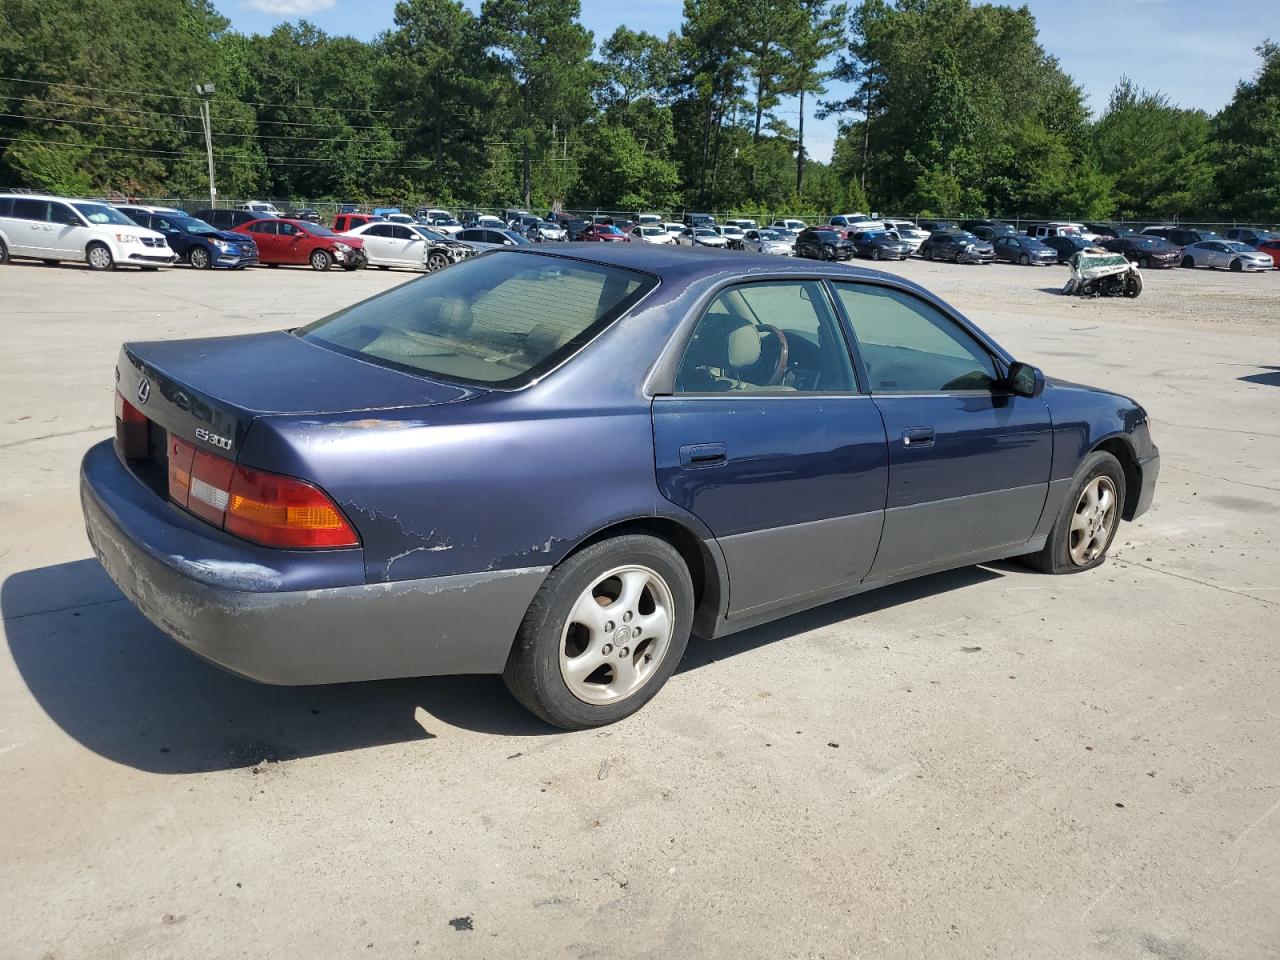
55	228
263	207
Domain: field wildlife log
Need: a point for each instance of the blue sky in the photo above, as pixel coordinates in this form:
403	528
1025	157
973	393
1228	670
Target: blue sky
1192	50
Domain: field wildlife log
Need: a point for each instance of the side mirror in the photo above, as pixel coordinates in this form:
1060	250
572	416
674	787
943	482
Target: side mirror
1025	380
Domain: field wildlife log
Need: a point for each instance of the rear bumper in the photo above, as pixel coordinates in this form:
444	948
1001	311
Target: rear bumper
235	614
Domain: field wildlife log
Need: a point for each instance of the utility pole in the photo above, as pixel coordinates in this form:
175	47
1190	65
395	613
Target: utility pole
205	91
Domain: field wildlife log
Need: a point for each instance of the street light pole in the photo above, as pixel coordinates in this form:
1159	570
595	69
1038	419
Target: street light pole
205	91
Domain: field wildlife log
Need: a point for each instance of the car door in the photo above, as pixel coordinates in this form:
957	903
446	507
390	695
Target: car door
291	242
969	461
778	453
30	230
264	235
379	246
68	234
1220	255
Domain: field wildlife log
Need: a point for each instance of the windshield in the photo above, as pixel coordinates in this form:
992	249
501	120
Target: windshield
101	213
652	231
197	227
768	235
499	320
965	237
316	230
429	234
705	233
606	228
1238	246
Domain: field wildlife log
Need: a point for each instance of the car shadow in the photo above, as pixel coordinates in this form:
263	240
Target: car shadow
119	687
1270	379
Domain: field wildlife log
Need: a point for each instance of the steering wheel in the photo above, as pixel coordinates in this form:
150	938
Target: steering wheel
784	354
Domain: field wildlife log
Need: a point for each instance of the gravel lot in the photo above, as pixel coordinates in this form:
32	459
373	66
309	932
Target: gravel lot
985	763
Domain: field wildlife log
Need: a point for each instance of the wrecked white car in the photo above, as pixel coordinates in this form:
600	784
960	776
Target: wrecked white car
1097	273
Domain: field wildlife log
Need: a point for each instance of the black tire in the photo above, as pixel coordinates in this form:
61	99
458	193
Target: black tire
875	253
382	266
98	256
320	260
199	258
437	261
928	254
1056	556
1145	263
4	253
1133	286
1189	263
273	266
1024	260
50	263
1237	266
533	671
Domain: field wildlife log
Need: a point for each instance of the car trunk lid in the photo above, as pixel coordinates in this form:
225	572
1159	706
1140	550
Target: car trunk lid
209	391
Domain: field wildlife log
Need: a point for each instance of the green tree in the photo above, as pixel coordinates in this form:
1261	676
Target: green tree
1248	143
545	50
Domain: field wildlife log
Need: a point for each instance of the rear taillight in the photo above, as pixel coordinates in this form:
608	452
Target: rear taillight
263	507
131	429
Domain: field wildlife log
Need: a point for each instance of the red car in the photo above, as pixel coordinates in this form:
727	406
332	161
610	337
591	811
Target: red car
298	242
1272	247
349	221
603	232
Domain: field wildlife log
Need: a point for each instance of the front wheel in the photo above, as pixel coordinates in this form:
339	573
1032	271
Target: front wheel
1237	266
1189	263
4	253
1088	520
320	260
437	261
99	257
199	258
875	253
1145	263
1024	260
604	633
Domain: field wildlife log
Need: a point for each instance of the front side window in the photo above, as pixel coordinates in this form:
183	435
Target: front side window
101	213
499	320
908	346
61	213
774	337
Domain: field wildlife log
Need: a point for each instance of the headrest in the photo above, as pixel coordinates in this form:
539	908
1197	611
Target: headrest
454	314
744	346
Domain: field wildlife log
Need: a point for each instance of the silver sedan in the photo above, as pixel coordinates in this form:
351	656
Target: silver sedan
768	241
1225	254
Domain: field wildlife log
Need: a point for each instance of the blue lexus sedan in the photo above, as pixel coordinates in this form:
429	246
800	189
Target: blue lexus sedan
557	464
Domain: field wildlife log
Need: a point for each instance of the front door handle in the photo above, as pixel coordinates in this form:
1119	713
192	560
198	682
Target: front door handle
918	437
694	456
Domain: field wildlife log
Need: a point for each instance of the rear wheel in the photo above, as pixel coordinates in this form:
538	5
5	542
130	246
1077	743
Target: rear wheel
605	632
1133	285
928	254
1088	521
320	260
4	253
1189	263
199	258
1145	263
98	257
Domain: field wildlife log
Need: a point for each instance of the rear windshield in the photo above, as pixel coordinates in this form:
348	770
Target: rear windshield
498	320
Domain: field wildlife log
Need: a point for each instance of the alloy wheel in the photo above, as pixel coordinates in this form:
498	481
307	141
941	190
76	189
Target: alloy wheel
199	258
99	257
617	634
1093	520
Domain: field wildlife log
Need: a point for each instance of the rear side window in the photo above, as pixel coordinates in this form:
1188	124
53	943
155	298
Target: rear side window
25	208
500	320
6	206
908	346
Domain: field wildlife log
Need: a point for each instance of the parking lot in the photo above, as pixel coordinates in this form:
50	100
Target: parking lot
983	763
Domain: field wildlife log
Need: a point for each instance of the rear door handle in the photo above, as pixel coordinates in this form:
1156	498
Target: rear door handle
694	456
918	437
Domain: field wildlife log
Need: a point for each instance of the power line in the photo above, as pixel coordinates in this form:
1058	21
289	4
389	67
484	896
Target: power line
223	133
178	96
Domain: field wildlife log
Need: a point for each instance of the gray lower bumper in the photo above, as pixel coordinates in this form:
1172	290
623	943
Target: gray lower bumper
445	625
1149	470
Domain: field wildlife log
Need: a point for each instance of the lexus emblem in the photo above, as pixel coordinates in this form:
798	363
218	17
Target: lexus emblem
144	390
